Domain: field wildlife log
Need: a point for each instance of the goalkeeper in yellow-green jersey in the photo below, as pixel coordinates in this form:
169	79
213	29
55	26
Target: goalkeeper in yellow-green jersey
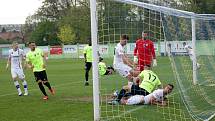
103	70
36	61
146	82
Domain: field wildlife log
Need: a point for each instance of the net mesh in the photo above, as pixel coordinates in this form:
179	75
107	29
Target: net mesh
169	29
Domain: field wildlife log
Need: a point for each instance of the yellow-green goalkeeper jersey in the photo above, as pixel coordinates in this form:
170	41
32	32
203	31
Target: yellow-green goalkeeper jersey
102	68
36	59
88	52
150	80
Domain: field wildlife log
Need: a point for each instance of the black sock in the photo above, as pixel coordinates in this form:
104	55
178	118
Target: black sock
121	94
86	75
42	88
48	85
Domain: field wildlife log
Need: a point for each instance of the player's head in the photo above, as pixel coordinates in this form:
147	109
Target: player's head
123	39
147	67
184	43
100	59
168	88
89	41
32	45
15	45
145	35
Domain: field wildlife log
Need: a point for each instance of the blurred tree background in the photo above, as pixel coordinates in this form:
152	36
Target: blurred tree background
68	21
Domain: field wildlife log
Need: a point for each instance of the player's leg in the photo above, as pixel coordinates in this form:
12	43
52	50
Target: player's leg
46	82
16	83
40	84
24	83
87	69
123	91
136	99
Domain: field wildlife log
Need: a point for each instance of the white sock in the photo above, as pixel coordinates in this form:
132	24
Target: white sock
24	83
16	83
130	83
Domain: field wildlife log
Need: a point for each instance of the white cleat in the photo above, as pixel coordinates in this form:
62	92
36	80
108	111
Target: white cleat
20	94
26	94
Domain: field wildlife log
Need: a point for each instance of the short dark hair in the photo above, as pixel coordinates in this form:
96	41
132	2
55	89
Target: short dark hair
171	85
31	42
124	36
100	59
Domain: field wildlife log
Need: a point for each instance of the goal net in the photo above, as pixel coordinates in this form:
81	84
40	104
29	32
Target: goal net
174	32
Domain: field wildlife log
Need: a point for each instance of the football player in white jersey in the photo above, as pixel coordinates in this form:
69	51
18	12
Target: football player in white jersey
16	55
189	50
157	97
123	65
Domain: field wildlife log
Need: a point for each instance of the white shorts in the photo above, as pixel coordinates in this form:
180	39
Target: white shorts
17	73
136	99
122	69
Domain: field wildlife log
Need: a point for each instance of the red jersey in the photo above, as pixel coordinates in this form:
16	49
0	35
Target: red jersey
144	50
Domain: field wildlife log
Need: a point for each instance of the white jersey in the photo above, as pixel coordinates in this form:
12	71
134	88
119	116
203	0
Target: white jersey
16	58
189	51
118	52
157	94
140	99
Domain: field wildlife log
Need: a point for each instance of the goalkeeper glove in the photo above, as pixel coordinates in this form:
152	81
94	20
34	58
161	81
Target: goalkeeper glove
154	62
135	59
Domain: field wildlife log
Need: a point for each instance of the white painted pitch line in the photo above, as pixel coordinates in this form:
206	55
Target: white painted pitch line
37	89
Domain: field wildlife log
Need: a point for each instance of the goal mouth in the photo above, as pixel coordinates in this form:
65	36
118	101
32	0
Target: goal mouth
169	28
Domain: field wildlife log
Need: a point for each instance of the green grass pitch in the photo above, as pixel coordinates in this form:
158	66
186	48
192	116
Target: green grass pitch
73	101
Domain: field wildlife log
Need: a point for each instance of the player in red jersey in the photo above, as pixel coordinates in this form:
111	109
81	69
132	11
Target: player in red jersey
144	52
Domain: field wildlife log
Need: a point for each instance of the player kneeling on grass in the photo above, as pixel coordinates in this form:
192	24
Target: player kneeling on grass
122	64
146	82
157	97
36	61
16	55
103	70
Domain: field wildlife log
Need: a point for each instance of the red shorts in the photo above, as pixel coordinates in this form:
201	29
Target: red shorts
141	64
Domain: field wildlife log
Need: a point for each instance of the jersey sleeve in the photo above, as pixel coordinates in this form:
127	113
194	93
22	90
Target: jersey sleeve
119	51
158	94
135	49
85	50
141	75
153	51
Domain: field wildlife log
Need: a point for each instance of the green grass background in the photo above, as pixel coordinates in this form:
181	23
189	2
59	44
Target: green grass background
73	100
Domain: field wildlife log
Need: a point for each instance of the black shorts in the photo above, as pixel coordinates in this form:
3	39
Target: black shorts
88	65
40	76
107	72
136	90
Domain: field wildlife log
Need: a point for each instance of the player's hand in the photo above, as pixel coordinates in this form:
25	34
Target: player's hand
135	59
31	66
44	66
154	62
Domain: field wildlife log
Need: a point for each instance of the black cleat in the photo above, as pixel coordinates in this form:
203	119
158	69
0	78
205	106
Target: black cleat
86	84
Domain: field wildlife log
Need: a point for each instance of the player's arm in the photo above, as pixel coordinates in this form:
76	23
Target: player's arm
139	78
135	53
154	102
153	55
45	57
28	62
85	55
23	56
8	62
127	61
